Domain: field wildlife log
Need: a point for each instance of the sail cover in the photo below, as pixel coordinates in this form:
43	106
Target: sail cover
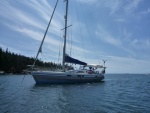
72	60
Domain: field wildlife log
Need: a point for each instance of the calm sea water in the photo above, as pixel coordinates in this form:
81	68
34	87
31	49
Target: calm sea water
126	93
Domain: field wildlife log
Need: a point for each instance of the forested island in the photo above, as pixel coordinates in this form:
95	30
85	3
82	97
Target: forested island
14	63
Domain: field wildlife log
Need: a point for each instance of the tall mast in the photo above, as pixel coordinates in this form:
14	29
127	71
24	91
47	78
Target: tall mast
65	35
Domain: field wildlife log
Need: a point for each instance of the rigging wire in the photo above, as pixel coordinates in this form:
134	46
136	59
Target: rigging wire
80	30
71	42
59	50
70	32
60	46
89	31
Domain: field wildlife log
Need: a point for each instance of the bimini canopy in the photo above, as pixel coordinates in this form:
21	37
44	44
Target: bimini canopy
72	60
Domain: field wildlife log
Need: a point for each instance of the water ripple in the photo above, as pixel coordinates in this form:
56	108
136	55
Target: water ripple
118	93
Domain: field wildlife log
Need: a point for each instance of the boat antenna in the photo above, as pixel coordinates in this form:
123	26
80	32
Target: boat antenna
104	62
65	35
40	48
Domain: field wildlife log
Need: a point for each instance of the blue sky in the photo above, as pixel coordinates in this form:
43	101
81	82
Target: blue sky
114	30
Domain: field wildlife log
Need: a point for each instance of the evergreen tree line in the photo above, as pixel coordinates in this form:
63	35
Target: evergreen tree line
14	63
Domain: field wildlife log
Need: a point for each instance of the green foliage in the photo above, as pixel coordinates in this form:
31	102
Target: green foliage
14	63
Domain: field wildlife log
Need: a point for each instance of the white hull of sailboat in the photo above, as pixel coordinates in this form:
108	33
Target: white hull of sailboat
65	78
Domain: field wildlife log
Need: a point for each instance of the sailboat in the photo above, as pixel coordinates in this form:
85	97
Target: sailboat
87	73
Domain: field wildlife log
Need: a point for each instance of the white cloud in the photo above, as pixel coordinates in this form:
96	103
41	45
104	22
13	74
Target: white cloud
106	37
148	42
36	35
88	1
135	41
146	12
42	11
19	17
126	65
127	35
52	42
141	44
113	5
120	20
22	18
131	6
